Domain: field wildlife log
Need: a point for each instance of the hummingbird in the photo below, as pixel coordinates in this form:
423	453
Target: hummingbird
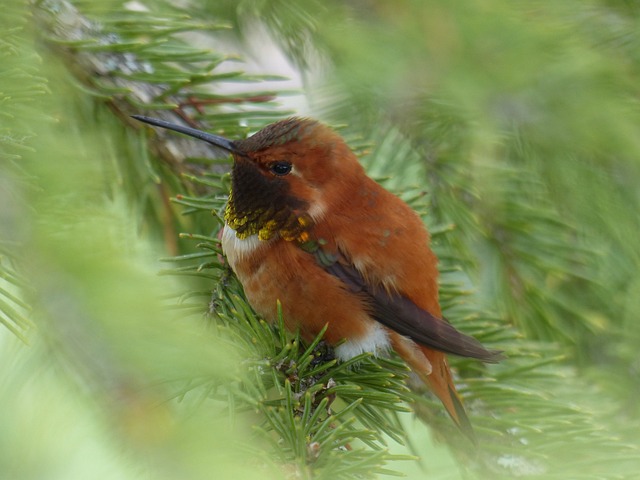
306	226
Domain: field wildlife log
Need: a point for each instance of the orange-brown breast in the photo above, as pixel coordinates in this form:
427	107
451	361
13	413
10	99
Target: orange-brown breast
310	297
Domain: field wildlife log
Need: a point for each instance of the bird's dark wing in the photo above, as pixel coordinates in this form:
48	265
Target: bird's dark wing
400	314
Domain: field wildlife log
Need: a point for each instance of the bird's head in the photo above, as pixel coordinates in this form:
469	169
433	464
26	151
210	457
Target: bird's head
285	178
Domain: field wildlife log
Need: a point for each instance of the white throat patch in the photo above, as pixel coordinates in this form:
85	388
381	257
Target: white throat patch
237	248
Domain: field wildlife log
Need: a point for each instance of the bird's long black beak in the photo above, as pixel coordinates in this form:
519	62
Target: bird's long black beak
219	142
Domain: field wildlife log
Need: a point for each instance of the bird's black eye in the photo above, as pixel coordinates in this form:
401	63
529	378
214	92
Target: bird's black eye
280	168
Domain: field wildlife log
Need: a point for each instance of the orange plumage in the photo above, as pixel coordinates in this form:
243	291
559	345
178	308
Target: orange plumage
306	226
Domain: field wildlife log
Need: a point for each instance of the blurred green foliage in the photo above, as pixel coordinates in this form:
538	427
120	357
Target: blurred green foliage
512	126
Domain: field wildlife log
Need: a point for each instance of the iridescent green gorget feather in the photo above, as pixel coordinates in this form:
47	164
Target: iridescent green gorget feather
261	205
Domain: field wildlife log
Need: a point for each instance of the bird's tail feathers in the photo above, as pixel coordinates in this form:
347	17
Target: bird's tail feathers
440	382
432	368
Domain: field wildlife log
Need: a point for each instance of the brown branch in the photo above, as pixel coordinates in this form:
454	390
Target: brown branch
62	26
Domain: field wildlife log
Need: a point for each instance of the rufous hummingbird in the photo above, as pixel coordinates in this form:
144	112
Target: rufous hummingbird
305	225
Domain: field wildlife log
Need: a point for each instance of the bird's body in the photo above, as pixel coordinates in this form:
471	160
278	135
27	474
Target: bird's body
366	225
307	227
